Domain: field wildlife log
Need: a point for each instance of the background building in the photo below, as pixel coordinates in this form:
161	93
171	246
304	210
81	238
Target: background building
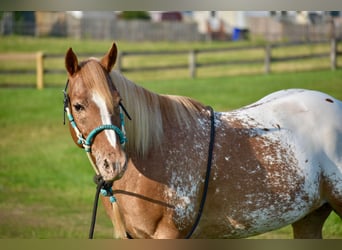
175	25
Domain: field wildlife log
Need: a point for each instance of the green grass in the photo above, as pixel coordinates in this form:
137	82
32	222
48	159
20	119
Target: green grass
46	181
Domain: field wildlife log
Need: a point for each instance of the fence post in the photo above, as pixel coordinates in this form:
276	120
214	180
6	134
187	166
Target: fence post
333	54
192	63
268	55
40	69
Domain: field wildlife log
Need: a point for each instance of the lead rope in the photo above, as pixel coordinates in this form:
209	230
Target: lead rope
207	176
105	188
100	183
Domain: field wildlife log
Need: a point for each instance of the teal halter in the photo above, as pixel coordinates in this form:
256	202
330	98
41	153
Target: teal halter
86	143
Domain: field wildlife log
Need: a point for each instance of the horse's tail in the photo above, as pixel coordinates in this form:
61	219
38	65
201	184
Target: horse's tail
118	223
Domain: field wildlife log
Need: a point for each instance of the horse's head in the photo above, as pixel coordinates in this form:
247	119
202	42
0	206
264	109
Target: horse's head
93	105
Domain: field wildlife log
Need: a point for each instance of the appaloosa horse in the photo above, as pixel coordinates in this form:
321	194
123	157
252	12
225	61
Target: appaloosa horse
273	163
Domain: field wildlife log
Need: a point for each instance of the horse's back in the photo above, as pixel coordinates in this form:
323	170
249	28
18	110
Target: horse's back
307	105
313	116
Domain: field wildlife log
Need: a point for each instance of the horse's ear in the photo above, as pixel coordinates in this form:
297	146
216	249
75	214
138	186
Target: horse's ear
71	62
109	59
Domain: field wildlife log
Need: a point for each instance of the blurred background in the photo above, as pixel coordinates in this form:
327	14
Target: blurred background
175	26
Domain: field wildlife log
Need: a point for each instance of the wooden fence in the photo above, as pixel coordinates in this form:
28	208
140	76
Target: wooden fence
37	57
192	65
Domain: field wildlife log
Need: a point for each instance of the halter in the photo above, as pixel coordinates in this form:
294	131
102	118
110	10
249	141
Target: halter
87	142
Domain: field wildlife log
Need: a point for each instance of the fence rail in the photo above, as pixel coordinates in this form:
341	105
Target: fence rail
192	65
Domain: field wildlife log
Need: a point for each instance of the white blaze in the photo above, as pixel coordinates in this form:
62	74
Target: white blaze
105	118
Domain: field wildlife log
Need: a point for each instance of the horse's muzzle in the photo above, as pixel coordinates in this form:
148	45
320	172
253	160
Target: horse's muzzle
113	170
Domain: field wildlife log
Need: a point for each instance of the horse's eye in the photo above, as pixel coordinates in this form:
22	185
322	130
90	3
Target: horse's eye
78	107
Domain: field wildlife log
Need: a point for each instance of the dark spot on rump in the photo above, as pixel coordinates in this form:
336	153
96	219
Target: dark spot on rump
306	161
329	100
266	129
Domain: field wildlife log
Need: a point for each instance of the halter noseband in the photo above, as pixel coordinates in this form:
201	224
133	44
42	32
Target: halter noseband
87	142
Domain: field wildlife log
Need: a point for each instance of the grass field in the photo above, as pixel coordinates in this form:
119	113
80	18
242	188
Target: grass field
46	181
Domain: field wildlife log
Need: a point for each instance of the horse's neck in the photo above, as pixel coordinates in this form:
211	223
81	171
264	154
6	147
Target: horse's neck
155	116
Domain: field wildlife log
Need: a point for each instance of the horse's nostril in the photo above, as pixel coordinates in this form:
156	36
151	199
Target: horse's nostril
106	164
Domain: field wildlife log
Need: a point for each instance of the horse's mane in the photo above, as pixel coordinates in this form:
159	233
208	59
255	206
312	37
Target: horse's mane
150	112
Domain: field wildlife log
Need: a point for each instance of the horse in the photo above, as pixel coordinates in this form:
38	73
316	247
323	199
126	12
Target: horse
177	163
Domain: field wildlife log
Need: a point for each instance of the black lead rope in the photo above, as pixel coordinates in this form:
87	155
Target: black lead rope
101	184
207	176
93	217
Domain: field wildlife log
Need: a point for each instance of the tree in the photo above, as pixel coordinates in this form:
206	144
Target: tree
131	15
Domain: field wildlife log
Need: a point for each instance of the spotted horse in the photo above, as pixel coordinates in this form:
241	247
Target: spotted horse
273	163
